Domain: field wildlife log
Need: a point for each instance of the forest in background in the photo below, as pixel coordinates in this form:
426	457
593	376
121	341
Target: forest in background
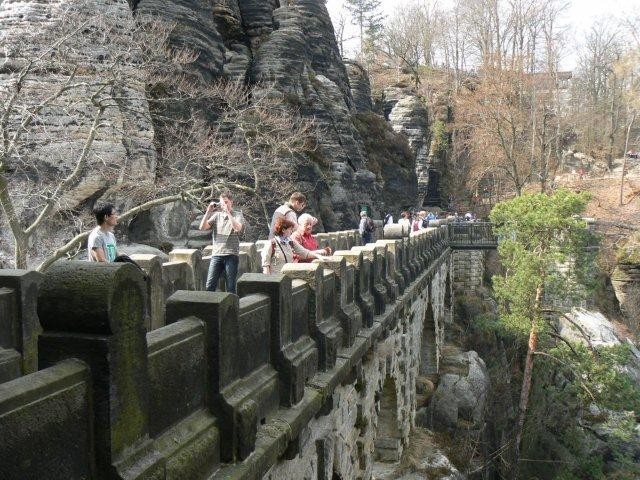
516	118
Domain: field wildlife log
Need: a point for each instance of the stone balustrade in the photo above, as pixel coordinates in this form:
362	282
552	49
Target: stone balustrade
136	379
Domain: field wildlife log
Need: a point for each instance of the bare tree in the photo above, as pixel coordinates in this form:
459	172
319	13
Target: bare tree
89	74
410	36
49	71
598	91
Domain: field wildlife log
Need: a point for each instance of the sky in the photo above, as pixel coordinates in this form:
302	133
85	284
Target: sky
580	15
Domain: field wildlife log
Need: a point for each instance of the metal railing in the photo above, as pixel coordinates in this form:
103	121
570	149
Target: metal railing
472	235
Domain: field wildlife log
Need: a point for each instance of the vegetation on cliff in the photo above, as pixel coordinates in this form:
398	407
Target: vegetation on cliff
546	270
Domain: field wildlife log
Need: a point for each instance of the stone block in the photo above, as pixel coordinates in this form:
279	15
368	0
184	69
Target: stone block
325	451
95	312
177	373
295	358
19	323
46	424
323	325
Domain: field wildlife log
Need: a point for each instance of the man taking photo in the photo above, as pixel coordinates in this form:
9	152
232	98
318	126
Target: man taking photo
226	224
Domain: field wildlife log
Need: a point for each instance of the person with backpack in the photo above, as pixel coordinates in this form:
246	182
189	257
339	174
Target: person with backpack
281	248
366	227
289	210
388	219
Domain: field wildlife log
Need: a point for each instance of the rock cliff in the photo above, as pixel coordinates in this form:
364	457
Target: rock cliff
290	45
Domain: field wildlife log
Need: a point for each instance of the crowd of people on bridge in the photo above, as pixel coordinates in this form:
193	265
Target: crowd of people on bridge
419	220
290	236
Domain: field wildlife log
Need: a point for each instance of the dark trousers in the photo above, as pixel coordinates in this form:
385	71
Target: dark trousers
227	264
366	237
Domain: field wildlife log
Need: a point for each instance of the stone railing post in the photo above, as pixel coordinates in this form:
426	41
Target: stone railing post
176	276
152	265
295	358
351	239
362	277
394	249
348	313
192	257
324	240
323	327
242	387
412	258
385	270
254	260
95	312
403	263
19	324
378	289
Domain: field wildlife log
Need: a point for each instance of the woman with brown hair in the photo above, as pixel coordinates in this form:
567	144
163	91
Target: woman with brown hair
281	248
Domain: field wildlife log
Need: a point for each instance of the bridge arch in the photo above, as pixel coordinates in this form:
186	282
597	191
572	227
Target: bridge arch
388	440
428	342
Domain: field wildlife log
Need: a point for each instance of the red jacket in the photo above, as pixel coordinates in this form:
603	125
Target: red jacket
307	241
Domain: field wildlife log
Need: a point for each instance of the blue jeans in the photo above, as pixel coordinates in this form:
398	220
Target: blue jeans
219	264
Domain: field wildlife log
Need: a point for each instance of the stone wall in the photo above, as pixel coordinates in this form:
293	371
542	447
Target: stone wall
468	270
306	374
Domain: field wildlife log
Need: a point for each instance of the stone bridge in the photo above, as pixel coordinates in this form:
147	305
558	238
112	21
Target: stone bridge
308	374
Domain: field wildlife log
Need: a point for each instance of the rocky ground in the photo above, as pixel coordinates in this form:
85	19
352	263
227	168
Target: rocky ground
449	419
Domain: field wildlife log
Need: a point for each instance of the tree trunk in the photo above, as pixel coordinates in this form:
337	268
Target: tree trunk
624	161
524	397
526	384
20	254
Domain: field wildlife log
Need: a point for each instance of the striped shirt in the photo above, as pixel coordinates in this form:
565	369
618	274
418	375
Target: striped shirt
225	240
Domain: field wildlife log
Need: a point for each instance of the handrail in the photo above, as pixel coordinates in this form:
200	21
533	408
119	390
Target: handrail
472	234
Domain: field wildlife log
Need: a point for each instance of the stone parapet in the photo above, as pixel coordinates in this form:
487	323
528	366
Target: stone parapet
309	371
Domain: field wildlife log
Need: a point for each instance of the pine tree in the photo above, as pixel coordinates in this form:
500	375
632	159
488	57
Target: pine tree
537	233
367	16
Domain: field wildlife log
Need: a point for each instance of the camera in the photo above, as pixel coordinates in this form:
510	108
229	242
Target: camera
215	204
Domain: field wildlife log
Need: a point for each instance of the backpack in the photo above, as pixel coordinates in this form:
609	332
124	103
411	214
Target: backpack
425	223
416	226
369	226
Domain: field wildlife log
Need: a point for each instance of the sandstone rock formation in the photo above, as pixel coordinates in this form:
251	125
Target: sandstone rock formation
626	281
461	394
124	142
408	116
289	46
599	332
